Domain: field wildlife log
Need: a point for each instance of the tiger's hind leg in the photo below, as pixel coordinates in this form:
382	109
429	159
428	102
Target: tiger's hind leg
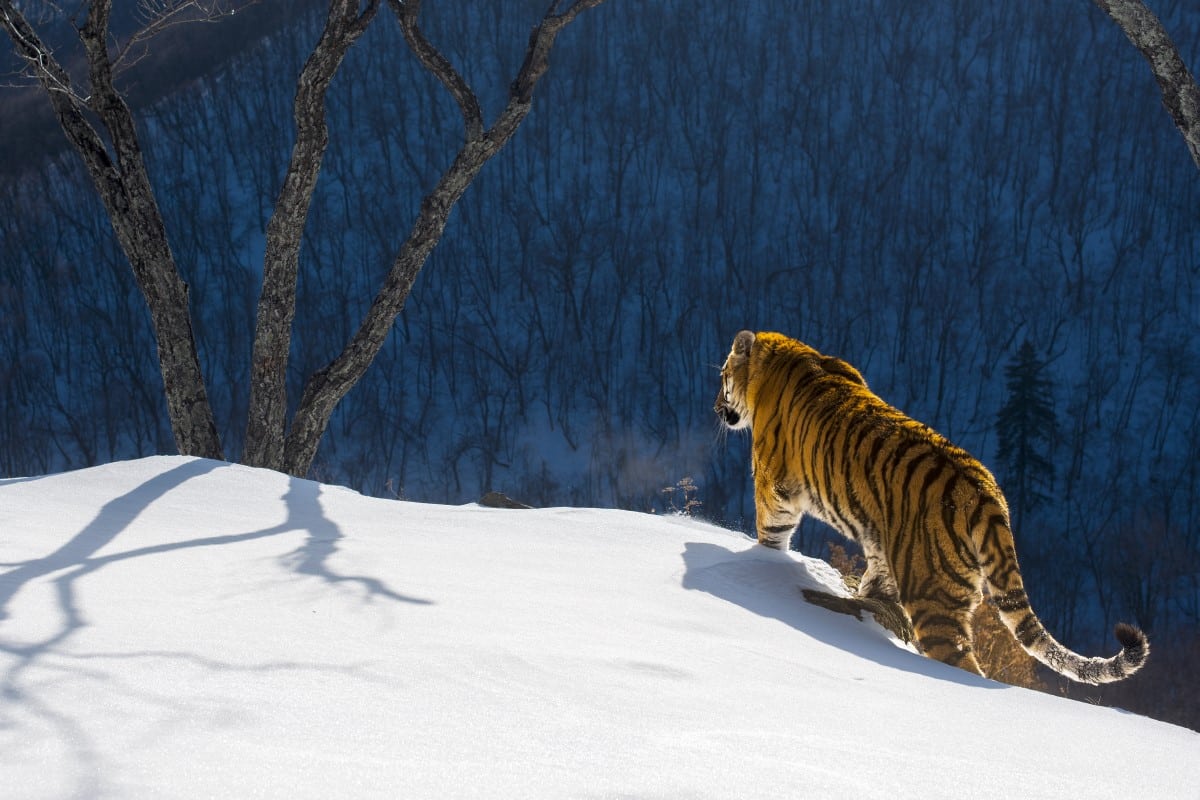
944	631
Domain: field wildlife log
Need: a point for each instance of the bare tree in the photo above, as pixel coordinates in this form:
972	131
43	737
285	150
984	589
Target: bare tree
119	173
329	385
1180	93
114	160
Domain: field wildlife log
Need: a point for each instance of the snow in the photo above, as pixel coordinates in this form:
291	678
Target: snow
175	627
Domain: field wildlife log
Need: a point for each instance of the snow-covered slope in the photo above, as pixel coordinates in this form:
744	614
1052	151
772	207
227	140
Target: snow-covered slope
176	627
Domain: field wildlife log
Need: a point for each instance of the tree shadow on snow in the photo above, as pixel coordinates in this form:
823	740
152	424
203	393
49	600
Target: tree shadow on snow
311	558
111	520
77	558
304	512
769	583
78	553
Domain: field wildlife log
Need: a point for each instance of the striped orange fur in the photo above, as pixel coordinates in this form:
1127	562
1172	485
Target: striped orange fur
933	524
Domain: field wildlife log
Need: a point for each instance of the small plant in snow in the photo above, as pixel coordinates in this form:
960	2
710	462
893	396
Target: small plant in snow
682	497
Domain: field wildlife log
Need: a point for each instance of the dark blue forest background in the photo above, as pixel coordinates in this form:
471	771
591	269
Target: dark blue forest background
920	189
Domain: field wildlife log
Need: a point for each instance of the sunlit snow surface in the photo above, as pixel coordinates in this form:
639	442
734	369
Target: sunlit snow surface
176	627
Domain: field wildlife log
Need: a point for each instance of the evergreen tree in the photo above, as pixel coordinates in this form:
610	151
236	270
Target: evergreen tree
1026	427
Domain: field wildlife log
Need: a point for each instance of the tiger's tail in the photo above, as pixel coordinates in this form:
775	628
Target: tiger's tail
1008	593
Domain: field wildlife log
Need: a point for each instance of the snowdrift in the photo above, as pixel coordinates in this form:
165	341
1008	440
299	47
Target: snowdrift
175	627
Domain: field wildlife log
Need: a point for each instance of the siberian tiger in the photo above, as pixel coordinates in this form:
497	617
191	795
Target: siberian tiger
932	522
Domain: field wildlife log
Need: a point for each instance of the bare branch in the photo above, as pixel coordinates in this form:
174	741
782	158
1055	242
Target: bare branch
64	99
1180	94
159	15
406	12
38	58
537	55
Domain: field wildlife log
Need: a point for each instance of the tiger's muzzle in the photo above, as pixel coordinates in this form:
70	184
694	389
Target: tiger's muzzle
727	414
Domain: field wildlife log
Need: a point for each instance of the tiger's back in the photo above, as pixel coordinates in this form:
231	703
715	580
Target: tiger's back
931	519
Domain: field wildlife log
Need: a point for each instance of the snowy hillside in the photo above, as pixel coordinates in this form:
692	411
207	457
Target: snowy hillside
172	627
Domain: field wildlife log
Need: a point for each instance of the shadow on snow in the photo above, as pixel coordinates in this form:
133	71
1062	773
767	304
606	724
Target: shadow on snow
77	558
769	583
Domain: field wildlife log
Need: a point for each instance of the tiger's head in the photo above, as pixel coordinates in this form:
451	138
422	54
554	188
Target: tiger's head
732	405
777	355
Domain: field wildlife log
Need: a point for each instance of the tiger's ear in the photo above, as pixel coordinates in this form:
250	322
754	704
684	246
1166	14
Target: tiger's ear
742	343
836	366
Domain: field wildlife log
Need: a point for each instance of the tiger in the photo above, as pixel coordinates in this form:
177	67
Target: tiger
930	518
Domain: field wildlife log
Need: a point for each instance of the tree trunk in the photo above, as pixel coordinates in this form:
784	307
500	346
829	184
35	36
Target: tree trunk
124	188
1180	94
267	418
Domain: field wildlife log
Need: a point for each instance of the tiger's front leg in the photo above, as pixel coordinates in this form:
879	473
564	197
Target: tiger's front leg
777	513
877	581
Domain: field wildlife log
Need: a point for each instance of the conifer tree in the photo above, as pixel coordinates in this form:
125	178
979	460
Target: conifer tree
1026	427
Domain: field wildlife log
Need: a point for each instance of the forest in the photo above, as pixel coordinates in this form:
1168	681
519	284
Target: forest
983	207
